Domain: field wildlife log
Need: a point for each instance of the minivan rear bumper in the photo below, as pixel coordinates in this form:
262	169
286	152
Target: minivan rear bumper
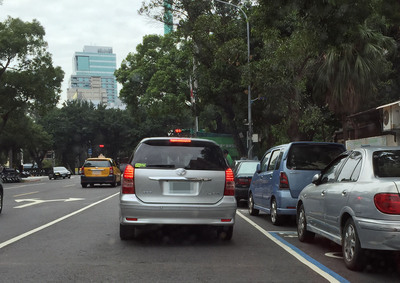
135	212
286	203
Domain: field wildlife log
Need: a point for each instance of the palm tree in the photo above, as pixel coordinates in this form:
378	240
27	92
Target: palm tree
350	71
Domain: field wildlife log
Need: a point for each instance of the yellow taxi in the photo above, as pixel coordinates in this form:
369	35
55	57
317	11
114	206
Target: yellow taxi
100	170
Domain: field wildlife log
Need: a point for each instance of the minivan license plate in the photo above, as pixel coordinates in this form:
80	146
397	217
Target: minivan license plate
180	188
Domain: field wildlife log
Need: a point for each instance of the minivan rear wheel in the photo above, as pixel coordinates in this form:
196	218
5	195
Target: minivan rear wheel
250	203
276	219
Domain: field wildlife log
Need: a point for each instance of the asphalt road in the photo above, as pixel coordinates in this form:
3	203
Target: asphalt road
55	231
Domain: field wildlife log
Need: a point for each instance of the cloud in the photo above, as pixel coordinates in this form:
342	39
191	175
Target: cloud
71	24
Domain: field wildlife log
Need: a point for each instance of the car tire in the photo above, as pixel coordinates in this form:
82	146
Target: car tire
225	233
49	177
113	184
1	200
353	254
84	185
302	233
126	232
250	203
276	219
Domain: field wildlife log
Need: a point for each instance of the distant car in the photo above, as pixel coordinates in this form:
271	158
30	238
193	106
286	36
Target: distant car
1	195
355	202
181	181
59	172
243	172
283	172
100	170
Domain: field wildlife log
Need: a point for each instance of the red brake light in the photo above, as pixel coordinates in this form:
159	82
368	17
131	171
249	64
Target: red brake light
283	181
387	203
180	140
82	171
128	182
229	183
244	181
111	171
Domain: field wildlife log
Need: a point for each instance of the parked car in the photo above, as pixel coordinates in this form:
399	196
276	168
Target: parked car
1	195
181	181
100	170
283	172
243	172
59	172
355	202
10	175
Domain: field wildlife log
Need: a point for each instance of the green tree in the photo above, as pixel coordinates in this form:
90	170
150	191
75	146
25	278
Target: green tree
155	83
80	125
215	35
28	79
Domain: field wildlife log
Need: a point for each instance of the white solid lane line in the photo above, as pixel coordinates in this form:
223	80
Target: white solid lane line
328	275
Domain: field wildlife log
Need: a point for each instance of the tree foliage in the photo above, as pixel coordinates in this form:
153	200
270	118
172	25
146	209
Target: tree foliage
28	79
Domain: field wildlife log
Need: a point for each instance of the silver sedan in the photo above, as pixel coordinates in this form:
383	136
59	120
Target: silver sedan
354	202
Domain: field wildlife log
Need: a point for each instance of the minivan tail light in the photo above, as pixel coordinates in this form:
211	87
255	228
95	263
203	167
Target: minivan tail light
82	171
229	183
387	203
128	181
111	171
283	181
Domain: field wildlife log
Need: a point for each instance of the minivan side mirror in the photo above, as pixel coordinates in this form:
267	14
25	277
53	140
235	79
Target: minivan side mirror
315	179
258	170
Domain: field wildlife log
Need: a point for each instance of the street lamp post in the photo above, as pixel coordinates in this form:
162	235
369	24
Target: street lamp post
250	133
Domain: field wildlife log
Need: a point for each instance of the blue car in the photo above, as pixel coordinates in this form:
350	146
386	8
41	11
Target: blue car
282	174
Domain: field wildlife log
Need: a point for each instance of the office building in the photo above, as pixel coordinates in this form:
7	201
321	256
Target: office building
93	77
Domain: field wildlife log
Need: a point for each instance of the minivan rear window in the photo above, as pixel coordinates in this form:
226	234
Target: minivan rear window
194	155
387	163
312	156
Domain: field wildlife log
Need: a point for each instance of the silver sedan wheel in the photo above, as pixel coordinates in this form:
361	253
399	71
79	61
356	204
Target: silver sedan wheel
302	233
1	201
349	243
301	223
353	254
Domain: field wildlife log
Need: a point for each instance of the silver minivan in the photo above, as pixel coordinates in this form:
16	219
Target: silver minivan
183	181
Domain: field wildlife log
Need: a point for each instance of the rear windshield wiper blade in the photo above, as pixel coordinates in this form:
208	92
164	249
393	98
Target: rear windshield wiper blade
160	165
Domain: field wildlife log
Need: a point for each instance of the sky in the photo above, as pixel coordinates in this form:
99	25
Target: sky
72	24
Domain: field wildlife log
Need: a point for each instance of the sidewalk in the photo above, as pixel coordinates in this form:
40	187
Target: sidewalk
34	178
